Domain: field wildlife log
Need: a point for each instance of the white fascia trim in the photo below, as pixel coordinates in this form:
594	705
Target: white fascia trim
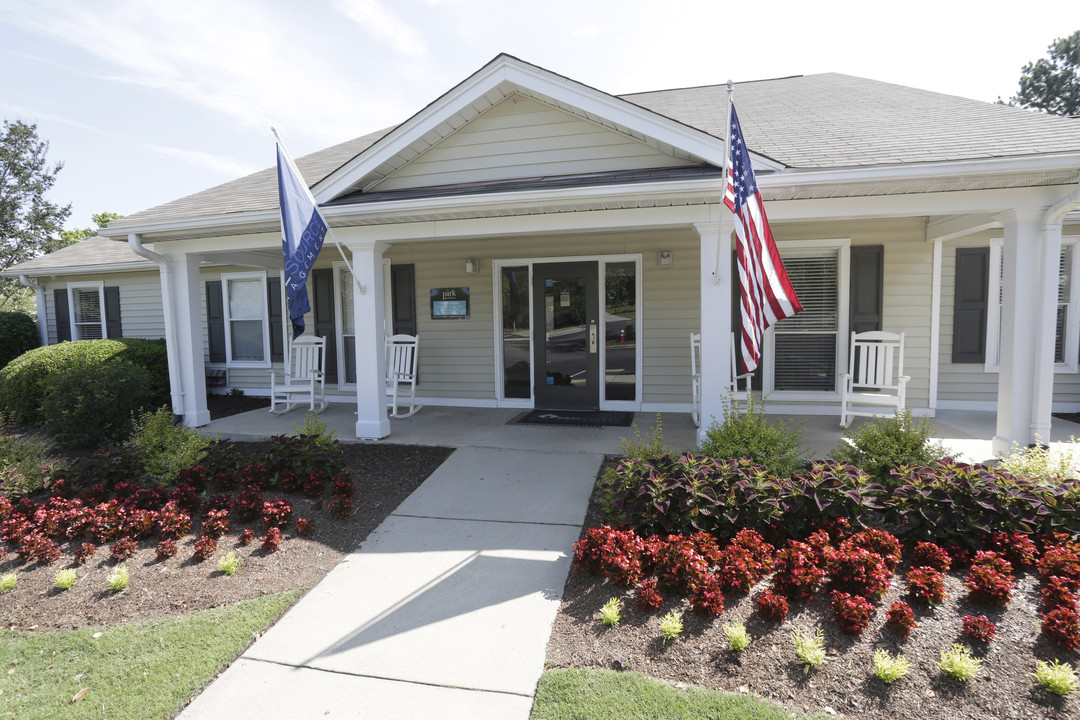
506	70
81	270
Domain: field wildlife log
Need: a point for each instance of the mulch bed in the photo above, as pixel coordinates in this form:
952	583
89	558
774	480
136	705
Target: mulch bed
225	405
384	475
845	686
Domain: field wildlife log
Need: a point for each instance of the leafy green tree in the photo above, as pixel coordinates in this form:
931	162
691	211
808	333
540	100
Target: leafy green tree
70	237
1053	85
29	223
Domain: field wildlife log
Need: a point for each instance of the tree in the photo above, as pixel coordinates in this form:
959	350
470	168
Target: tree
29	224
70	237
1053	85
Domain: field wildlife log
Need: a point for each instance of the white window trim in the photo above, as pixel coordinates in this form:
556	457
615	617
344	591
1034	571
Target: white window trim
265	362
993	310
843	246
71	288
601	260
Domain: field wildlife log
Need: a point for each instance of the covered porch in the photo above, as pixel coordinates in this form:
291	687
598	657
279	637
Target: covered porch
969	434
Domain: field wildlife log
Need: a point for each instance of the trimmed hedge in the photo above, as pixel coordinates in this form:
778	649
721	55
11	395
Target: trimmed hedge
141	381
18	333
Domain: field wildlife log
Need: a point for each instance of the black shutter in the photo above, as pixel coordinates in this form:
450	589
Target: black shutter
112	313
403	298
273	305
322	285
63	324
866	291
215	321
971	304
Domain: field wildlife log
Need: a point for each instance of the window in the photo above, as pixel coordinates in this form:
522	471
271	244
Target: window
87	303
1067	333
803	352
246	318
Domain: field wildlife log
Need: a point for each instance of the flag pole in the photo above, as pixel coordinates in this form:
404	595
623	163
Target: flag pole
724	180
329	230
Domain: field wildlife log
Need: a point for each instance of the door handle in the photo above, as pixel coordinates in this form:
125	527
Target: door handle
592	337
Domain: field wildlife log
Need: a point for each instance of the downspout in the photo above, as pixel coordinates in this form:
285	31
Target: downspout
1043	396
165	268
39	298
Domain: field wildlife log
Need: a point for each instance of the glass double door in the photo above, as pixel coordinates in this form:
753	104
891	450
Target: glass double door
566	339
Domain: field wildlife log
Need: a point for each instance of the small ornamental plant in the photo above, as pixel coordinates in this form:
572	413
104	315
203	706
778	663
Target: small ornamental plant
809	648
276	513
859	571
797	574
304	526
272	542
1056	677
852	612
65	579
122	549
889	669
648	598
204	548
165	550
248	503
341	507
978	627
670	627
1061	626
8	581
738	638
1057	593
173	522
246	536
901	618
613	554
989	586
958	663
314	484
771	607
84	553
215	524
1062	561
1016	547
927	584
230	563
611	612
880	542
929	555
708	598
118	578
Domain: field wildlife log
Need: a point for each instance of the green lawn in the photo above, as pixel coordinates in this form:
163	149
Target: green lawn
610	695
138	671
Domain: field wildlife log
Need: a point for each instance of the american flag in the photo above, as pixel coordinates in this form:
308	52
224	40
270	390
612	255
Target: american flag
767	294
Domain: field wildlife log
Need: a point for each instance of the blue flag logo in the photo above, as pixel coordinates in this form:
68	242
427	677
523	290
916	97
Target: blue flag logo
302	232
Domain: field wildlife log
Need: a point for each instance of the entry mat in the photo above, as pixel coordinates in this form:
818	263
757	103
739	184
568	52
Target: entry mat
574	418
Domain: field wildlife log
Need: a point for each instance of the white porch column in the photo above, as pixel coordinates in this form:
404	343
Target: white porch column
715	323
371	419
1027	330
187	316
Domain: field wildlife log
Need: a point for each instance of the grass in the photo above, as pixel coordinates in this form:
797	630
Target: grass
606	694
133	672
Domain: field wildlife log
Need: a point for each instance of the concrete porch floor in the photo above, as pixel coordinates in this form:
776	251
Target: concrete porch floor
966	433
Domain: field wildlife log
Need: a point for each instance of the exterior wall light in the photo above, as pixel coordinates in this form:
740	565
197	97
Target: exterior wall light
663	258
472	266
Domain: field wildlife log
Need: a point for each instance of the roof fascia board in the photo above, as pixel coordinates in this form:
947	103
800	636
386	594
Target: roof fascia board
80	270
535	79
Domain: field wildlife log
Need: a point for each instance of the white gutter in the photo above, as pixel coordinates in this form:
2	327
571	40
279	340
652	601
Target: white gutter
165	268
1043	396
39	297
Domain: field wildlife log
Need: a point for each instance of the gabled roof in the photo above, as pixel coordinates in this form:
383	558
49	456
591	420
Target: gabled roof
96	254
794	124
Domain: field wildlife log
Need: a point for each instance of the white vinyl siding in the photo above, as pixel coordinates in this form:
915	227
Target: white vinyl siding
520	138
141	314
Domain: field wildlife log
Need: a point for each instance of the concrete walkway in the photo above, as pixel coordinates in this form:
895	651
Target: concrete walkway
445	610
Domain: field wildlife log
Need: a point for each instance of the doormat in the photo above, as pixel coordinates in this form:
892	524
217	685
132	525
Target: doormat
574	418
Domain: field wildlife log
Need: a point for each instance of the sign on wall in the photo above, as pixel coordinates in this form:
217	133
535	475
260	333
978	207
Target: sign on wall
449	303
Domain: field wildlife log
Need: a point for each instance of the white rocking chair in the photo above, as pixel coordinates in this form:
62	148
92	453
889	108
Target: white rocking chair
876	376
695	375
305	375
402	353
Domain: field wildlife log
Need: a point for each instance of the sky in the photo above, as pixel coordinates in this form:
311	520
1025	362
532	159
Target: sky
148	101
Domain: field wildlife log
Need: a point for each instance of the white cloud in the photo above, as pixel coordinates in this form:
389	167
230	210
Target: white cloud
384	25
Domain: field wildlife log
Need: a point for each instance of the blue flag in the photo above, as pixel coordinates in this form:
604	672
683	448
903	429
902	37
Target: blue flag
302	231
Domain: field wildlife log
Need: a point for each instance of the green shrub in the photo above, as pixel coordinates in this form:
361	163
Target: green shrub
315	428
151	356
776	444
737	637
809	648
92	404
230	563
65	579
1038	461
647	446
671	626
8	581
22	381
958	663
18	334
610	613
888	669
1056	678
118	579
164	447
26	462
878	446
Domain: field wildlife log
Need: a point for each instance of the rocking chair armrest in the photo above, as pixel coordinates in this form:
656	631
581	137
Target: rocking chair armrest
903	379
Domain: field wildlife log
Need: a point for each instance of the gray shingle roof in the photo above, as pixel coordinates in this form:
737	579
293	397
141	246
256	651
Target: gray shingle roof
804	122
94	252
